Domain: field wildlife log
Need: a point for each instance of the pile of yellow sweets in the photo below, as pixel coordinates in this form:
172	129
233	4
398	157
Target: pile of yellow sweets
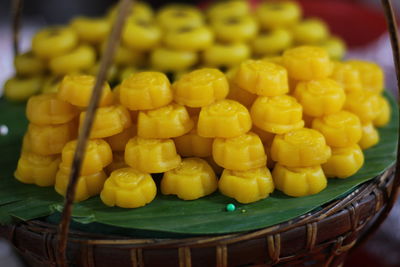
301	115
174	39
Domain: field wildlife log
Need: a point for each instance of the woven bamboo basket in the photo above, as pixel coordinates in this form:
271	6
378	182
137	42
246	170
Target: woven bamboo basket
319	238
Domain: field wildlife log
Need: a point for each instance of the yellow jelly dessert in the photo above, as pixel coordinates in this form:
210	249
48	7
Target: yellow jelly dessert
172	60
140	35
335	47
189	39
272	43
372	77
91	30
27	64
20	89
235	29
370	136
225	55
348	76
344	162
310	31
383	117
364	104
78	60
233	8
278	14
173	17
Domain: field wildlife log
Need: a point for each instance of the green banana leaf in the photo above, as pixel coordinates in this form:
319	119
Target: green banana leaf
168	214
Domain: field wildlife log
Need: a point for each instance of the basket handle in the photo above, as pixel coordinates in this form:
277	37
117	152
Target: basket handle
105	63
16	12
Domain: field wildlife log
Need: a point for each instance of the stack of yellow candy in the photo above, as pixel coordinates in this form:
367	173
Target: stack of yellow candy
176	39
304	116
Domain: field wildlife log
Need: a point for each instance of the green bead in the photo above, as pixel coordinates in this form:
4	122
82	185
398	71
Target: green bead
230	207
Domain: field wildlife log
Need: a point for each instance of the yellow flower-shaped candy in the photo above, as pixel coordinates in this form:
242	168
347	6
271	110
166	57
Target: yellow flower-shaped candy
320	97
262	78
278	14
173	17
91	30
75	61
225	119
192	179
145	90
299	182
36	169
118	142
246	186
225	55
189	39
117	163
193	145
201	87
347	76
98	155
272	43
166	122
300	148
370	136
171	60
125	56
55	41
128	188
108	121
20	89
151	155
26	144
77	90
50	139
335	47
27	64
233	8
364	104
235	29
310	31
340	129
47	109
372	77
86	187
140	10
140	35
239	153
307	63
384	115
344	162
278	114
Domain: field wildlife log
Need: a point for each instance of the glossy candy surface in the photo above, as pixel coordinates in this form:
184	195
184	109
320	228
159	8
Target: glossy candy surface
344	162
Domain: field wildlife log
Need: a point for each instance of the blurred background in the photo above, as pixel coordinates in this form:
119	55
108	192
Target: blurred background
360	22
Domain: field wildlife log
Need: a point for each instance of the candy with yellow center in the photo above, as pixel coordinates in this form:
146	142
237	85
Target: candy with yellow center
370	136
335	47
192	179
347	76
384	114
246	186
310	31
166	122
201	87
278	114
239	153
233	8
50	139
145	90
320	97
372	77
151	155
125	56
189	39
140	10
173	17
365	104
272	43
307	63
278	14
235	29
224	119
341	129
27	64
344	162
193	145
140	35
225	55
262	78
98	155
36	169
166	59
47	109
54	41
91	30
299	182
86	187
80	59
20	89
300	148
118	142
77	90
117	163
108	121
128	188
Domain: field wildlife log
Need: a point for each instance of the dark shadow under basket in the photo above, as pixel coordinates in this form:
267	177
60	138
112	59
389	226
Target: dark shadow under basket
320	238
